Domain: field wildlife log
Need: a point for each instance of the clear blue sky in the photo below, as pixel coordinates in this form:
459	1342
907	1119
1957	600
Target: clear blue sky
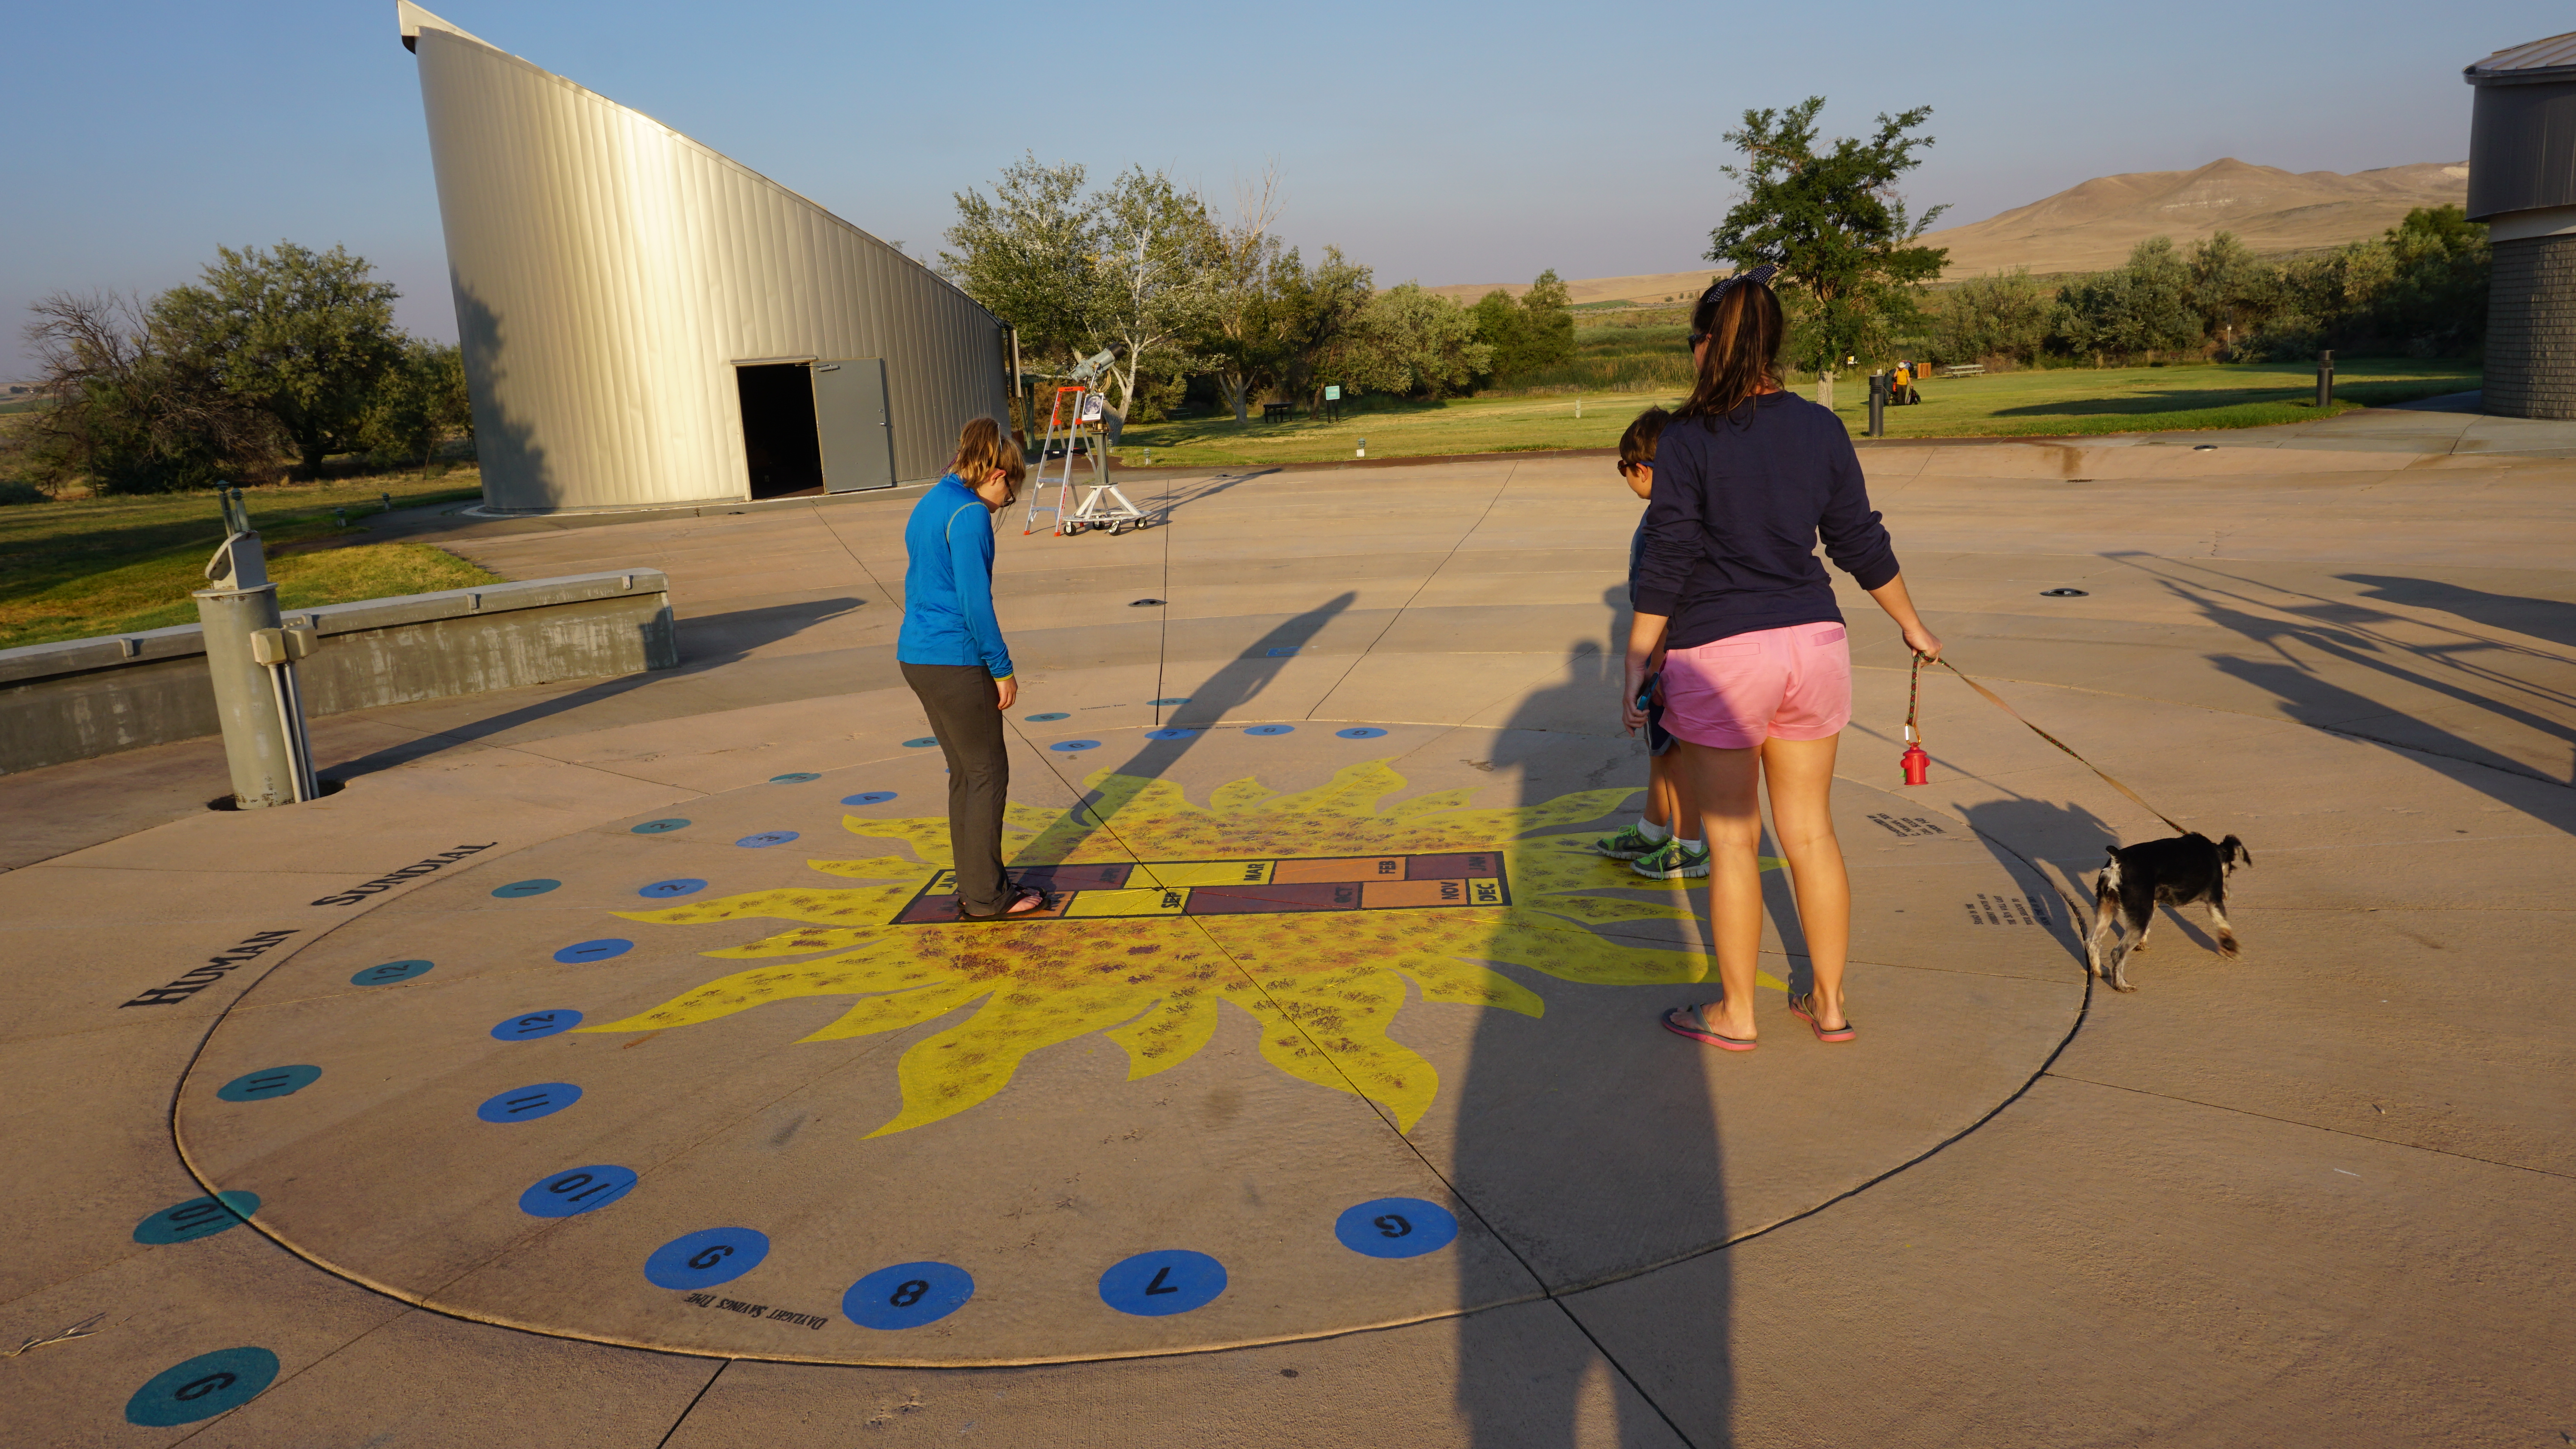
1441	142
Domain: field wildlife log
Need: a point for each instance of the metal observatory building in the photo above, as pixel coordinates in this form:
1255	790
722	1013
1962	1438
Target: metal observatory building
648	323
2522	184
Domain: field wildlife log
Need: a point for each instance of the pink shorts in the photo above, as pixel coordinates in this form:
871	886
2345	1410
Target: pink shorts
1734	693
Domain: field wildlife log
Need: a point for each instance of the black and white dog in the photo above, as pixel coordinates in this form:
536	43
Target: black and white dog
2141	877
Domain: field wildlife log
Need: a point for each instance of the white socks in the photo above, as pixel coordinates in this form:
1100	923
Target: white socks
1656	833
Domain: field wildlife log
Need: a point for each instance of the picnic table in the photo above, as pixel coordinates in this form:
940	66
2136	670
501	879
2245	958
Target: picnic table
1276	412
1963	369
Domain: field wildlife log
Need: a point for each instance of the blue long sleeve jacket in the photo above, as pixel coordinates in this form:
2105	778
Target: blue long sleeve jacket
1731	533
948	583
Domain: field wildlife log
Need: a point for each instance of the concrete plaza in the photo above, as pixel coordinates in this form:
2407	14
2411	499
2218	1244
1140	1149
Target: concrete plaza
1332	1109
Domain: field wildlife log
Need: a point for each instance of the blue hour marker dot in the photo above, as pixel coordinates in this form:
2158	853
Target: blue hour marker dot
599	950
765	839
198	1217
868	797
1166	703
907	1295
925	742
536	1024
662	889
1171	734
1270	730
660	827
390	972
527	1104
797	777
1396	1227
568	1194
1045	718
1174	1280
1359	732
259	1086
518	888
201	1388
705	1258
1072	745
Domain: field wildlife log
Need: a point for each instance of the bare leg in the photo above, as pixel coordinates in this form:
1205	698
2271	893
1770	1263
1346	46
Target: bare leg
1659	792
1723	789
1799	774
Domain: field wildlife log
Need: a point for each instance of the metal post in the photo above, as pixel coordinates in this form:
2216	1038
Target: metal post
1878	389
240	603
2325	379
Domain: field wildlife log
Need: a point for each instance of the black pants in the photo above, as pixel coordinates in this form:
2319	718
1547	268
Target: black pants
967	718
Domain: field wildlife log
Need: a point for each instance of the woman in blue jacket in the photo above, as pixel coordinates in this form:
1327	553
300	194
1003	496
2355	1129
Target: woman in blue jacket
952	655
1757	671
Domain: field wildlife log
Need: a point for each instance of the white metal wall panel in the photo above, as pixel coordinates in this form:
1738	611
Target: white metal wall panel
609	271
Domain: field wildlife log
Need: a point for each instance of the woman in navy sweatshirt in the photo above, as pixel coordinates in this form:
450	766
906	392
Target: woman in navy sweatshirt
1757	673
952	654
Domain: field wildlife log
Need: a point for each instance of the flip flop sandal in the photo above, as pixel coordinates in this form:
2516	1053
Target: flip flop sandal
1803	1007
1701	1033
1025	901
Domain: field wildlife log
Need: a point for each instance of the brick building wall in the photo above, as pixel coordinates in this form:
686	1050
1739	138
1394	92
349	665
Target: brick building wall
2531	329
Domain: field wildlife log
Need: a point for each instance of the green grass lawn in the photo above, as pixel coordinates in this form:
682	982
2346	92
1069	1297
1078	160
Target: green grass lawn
2058	402
89	566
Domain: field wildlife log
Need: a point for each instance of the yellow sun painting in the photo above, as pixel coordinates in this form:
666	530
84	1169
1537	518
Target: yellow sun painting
1308	911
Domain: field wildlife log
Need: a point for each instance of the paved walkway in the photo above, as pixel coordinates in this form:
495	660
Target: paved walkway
1342	1009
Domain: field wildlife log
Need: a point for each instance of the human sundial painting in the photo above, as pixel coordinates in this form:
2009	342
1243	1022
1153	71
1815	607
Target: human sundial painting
1311	911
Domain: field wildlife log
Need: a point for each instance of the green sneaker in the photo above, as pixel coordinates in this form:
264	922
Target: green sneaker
1628	844
1670	860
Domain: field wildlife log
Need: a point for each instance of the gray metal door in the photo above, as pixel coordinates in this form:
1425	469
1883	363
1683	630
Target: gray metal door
850	420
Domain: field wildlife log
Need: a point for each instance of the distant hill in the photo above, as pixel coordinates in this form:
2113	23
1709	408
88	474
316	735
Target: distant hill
2090	227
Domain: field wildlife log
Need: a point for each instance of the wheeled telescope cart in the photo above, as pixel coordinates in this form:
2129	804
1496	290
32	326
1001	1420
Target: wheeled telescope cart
1074	423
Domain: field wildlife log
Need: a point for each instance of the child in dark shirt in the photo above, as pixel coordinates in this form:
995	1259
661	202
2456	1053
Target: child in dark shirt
1656	845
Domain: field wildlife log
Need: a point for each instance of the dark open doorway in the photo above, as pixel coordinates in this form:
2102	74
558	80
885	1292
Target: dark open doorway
778	434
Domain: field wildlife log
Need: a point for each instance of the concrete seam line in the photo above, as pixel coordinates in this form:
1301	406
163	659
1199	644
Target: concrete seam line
2313	1126
1398	615
665	1440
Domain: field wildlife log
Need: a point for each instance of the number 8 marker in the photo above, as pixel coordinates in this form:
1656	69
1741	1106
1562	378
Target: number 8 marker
907	1295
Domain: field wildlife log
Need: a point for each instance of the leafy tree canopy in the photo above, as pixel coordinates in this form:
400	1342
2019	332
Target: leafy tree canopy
1529	332
303	335
1833	222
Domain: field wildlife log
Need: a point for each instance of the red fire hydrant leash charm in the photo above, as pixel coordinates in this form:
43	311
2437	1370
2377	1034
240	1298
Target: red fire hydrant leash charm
1917	765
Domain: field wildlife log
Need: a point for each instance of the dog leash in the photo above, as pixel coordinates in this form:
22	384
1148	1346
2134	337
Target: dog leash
1913	738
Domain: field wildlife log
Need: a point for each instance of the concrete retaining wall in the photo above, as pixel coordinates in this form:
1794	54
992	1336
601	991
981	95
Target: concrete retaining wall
86	697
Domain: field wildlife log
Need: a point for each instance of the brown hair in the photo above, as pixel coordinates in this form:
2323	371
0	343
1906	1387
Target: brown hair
1637	445
981	449
1744	328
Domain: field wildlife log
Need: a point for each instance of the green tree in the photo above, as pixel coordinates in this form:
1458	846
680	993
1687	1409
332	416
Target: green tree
1315	324
421	403
1240	342
1532	331
1026	253
2232	289
1834	224
305	336
2436	298
1414	343
2141	307
126	412
1156	253
2004	316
